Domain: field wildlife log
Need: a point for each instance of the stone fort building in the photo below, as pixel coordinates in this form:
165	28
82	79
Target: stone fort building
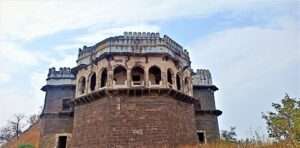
133	90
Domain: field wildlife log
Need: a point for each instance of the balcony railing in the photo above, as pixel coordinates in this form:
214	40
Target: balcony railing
120	85
137	83
155	85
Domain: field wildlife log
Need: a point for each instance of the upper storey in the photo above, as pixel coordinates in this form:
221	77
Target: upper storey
138	43
134	60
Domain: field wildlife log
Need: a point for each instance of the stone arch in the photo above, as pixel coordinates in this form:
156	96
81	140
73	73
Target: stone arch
120	75
81	85
137	75
103	75
178	82
154	75
92	80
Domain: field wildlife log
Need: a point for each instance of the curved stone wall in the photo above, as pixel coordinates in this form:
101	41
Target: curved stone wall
125	120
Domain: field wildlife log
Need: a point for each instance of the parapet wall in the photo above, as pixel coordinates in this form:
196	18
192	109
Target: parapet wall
63	76
62	73
137	43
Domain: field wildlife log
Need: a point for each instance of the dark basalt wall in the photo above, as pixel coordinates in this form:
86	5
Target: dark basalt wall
206	118
54	120
54	125
133	121
209	124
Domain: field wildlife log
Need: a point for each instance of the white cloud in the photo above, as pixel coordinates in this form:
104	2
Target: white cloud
13	59
67	46
29	19
4	77
95	36
13	52
250	49
37	80
253	66
65	61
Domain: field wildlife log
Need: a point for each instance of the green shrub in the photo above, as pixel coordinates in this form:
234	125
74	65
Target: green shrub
25	146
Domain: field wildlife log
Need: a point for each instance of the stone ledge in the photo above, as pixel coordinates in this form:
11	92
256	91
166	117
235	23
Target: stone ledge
58	114
44	88
137	91
213	87
213	112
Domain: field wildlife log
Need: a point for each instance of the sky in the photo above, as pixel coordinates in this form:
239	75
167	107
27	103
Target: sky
251	47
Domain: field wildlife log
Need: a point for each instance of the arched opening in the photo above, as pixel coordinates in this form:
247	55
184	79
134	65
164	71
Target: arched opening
81	85
103	78
120	75
178	82
93	82
170	76
154	75
137	76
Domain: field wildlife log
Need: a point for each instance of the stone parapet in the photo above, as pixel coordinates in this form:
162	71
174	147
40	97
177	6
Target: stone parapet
135	43
63	76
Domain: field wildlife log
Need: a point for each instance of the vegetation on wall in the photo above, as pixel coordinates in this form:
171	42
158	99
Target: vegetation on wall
26	146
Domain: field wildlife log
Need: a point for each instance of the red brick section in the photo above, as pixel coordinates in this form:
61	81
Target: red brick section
134	121
30	136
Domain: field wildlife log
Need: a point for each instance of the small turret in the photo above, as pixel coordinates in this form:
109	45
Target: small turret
63	76
206	112
57	115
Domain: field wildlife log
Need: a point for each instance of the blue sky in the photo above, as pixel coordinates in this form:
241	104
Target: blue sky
250	46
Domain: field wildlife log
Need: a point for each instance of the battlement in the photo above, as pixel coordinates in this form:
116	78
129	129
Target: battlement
172	43
202	77
150	41
85	50
141	35
63	76
62	73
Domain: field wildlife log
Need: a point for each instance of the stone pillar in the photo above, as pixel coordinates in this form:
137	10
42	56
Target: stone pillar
128	77
146	76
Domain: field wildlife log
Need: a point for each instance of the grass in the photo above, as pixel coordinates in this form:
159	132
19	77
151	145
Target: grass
222	145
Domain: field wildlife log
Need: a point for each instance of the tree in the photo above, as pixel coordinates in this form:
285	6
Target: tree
13	128
17	124
229	136
284	123
33	119
5	134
